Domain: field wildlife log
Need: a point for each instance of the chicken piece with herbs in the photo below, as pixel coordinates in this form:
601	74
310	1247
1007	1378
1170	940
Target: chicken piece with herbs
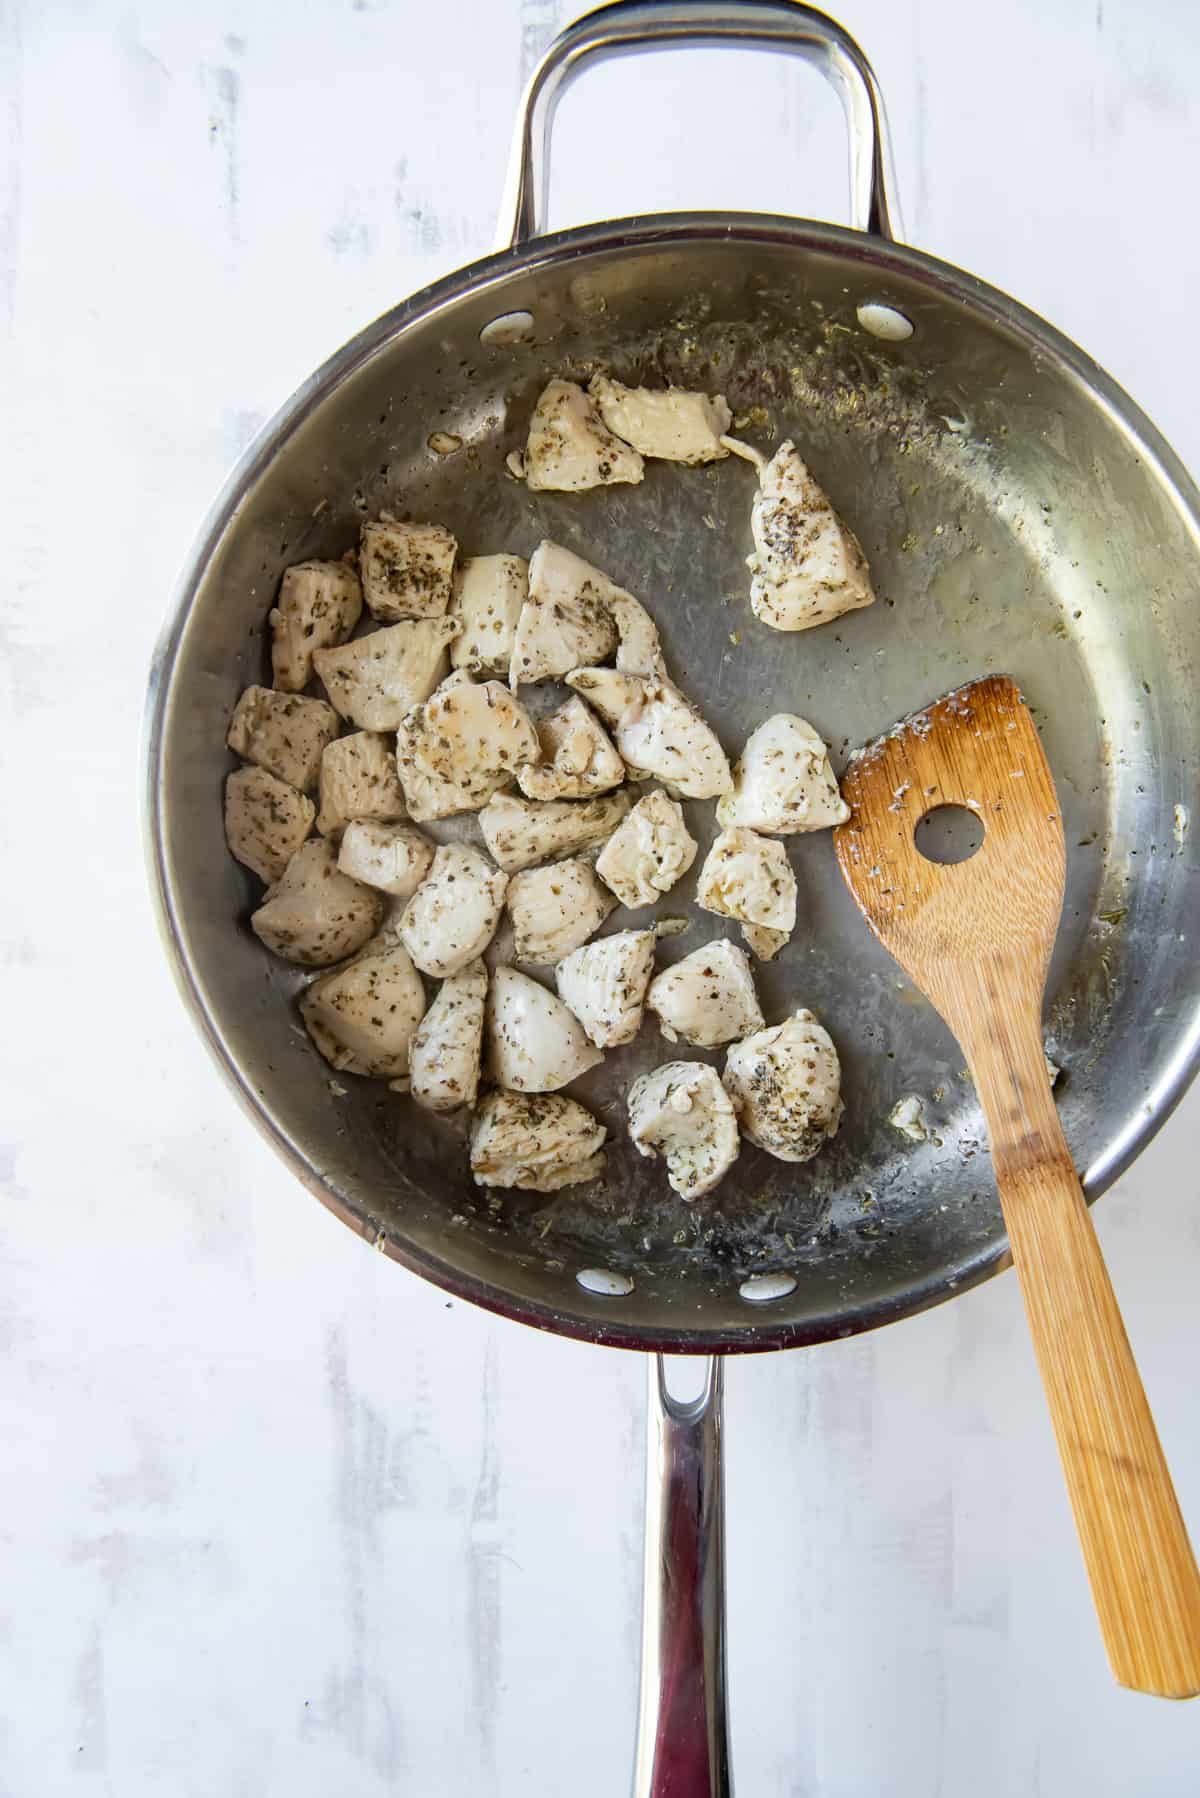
535	1045
706	998
407	570
362	1016
566	620
785	1084
539	1142
445	1053
667	424
489	592
807	565
605	983
452	916
764	942
313	914
657	731
319	604
284	733
556	908
375	680
520	833
783	782
749	878
358	780
395	858
464	744
682	1112
648	853
570	448
266	821
578	758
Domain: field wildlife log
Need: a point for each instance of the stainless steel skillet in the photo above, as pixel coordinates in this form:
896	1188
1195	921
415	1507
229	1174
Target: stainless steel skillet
1019	514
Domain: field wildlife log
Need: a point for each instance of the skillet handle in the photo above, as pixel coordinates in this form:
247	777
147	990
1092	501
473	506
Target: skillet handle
683	1746
632	26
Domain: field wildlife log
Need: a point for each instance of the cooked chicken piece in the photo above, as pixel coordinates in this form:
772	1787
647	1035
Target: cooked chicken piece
638	648
407	570
393	857
358	780
671	425
807	565
749	878
283	733
535	1045
657	731
566	620
556	908
707	998
578	759
265	821
314	915
520	833
452	916
605	983
908	1117
489	592
648	853
764	942
782	782
682	1111
319	603
445	1054
785	1083
472	735
377	679
539	1142
362	1016
570	447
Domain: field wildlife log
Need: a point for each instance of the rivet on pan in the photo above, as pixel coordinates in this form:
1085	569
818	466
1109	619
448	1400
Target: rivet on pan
510	327
760	1289
605	1283
884	321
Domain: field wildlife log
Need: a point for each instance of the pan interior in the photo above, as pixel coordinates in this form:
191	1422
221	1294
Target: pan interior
1013	523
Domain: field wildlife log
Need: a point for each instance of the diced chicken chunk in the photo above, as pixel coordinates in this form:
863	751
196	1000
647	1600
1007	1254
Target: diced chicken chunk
566	620
265	821
374	681
520	833
489	592
571	448
783	782
605	983
407	570
748	877
683	1112
578	759
314	915
395	858
647	853
452	916
535	1045
785	1083
556	908
657	731
807	566
707	998
358	780
319	603
283	733
638	648
362	1016
472	735
445	1053
671	424
538	1142
764	942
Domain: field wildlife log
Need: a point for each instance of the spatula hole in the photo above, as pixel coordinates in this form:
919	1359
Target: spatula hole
949	834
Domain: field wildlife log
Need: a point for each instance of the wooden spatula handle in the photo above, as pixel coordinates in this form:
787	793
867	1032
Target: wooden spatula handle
1135	1544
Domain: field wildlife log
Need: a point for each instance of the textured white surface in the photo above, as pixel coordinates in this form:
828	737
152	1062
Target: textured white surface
277	1520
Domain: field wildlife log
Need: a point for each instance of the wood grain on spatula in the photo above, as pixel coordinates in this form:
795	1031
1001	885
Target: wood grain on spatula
976	937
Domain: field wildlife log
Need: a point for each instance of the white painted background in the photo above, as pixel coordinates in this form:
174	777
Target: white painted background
277	1521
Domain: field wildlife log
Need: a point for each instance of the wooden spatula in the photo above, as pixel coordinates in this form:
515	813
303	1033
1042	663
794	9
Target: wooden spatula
976	937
